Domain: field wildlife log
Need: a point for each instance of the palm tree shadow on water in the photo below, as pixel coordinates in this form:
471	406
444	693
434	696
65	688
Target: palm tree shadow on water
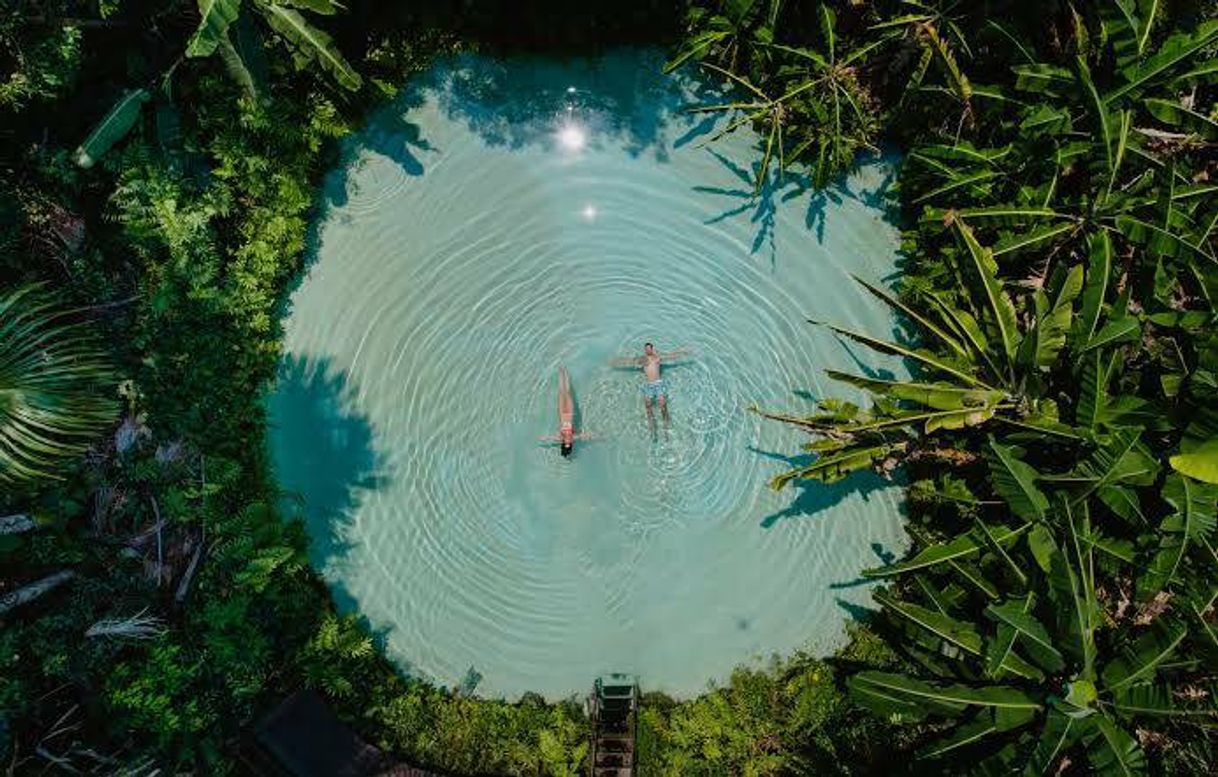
326	461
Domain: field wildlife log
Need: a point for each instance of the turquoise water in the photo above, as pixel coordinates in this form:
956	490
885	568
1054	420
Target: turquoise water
507	217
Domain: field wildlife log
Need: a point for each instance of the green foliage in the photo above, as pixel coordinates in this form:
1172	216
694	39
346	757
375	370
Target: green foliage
1058	601
54	385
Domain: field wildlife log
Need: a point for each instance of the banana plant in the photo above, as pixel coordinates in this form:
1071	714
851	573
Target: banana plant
1008	627
55	396
934	29
984	364
226	32
1094	150
728	35
814	111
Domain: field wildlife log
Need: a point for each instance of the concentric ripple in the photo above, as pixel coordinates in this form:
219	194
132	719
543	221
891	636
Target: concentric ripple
506	218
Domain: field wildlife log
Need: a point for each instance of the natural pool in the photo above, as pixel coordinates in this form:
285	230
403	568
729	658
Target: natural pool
507	217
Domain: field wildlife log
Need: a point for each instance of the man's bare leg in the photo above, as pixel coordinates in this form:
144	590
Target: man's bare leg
651	416
664	408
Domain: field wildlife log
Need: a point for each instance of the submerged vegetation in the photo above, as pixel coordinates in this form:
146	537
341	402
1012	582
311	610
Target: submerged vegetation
1057	613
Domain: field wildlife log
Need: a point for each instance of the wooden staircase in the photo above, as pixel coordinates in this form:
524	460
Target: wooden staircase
613	707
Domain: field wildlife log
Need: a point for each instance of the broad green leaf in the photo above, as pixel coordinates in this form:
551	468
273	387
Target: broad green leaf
962	635
1160	701
1139	662
1162	241
312	44
1015	481
1175	114
948	700
1058	735
963	546
1032	633
1001	658
1175	52
832	468
1198	456
913	314
1098	112
999	304
932	395
1035	237
1123	459
694	48
1099	271
214	18
964	735
112	128
1043	79
1051	329
244	58
1069	590
1194	517
1112	750
928	359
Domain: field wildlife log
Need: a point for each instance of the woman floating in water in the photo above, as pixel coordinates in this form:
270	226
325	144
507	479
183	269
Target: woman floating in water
566	417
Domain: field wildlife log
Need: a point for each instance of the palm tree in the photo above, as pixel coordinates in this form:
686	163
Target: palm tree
52	379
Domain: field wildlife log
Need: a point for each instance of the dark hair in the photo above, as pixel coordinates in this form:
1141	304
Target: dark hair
565	449
647	344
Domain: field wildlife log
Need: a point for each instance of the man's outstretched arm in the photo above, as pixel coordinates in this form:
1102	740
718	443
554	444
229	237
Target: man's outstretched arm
627	361
677	354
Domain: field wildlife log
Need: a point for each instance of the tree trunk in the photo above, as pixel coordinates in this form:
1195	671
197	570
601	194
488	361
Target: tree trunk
34	590
16	524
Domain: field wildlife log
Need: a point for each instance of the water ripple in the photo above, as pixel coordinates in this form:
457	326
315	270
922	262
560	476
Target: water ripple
448	296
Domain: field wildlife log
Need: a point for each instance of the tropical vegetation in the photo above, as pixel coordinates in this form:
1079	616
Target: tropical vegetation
1056	431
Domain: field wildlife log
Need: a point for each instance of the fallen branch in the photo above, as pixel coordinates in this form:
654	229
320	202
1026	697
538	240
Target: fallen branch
34	590
184	585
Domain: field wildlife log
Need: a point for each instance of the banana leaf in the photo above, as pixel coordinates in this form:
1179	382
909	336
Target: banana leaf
1032	633
882	688
999	304
1176	115
1175	52
1198	456
1001	658
1071	592
1194	518
1059	734
1049	335
214	18
932	395
942	627
961	547
1138	663
1095	288
1035	237
244	57
1015	481
1111	750
113	127
1160	701
312	45
830	469
928	359
913	314
1161	241
1123	459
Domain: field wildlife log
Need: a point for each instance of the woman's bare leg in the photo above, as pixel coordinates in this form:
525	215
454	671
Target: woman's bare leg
566	405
